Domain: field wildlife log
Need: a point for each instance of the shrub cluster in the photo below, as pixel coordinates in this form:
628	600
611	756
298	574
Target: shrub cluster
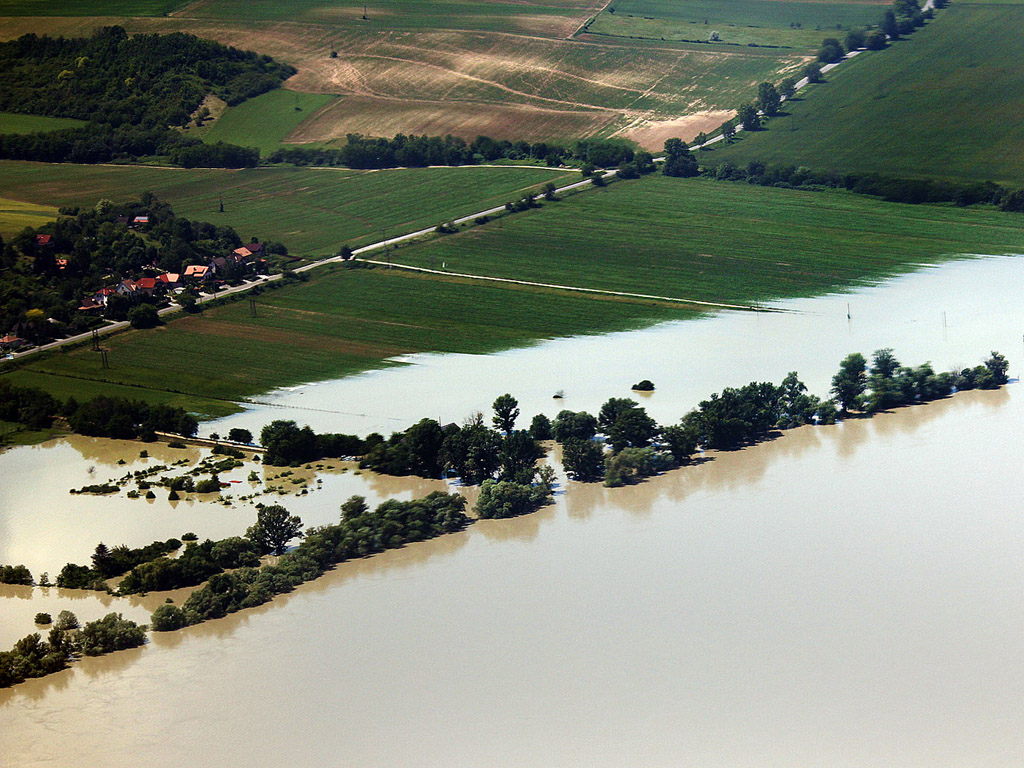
15	574
194	566
34	657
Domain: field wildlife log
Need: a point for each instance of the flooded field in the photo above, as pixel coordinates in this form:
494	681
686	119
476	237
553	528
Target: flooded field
844	596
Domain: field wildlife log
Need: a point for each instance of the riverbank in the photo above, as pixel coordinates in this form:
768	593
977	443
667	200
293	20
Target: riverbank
696	239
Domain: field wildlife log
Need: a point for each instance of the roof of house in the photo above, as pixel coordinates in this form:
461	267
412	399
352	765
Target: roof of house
169	277
131	285
9	339
90	303
105	292
147	283
44	239
141	220
196	270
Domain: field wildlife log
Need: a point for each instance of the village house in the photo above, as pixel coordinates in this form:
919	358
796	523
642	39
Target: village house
247	252
148	285
138	221
44	241
169	280
90	304
10	342
103	294
128	288
196	273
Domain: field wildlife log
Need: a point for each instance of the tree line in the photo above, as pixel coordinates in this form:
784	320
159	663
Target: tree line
360	533
413	151
101	416
132	89
889	188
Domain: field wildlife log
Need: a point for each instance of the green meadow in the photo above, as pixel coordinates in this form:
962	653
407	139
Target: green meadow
88	7
943	103
342	321
314	211
688	239
12	122
717	241
266	121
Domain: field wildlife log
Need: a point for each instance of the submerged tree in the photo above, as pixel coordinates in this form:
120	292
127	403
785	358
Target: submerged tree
273	529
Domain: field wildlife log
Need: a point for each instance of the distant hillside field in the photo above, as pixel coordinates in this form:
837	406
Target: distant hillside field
312	211
945	103
508	69
788	23
266	121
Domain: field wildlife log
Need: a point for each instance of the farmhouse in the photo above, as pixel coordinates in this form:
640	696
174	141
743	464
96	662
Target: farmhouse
169	279
90	304
127	288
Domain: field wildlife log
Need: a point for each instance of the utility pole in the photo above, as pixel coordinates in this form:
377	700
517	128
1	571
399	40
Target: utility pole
252	307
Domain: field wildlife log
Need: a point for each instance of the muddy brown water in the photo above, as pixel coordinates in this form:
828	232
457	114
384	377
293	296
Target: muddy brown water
847	595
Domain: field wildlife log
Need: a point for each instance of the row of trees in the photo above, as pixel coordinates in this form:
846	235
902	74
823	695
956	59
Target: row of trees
15	574
891	189
420	151
887	384
34	657
100	417
360	532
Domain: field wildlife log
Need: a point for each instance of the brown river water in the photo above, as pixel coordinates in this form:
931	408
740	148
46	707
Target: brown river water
845	596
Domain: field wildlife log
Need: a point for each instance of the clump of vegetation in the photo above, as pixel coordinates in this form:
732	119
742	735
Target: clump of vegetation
43	619
101	489
15	574
196	564
506	498
111	633
644	386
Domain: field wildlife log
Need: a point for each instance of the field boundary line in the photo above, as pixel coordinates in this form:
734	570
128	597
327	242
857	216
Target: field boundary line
572	288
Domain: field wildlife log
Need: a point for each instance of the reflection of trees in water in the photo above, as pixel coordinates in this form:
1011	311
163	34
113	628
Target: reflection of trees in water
524	528
107	451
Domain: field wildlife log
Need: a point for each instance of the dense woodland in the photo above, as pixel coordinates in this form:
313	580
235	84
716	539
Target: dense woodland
133	91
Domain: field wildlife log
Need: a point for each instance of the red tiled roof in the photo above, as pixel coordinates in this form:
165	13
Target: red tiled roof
146	283
44	239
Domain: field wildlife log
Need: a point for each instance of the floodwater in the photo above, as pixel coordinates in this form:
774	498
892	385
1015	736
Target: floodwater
951	315
847	596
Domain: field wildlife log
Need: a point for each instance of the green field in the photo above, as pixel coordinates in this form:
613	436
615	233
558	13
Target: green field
11	122
88	7
266	121
945	103
737	22
341	322
16	215
695	239
312	211
717	241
